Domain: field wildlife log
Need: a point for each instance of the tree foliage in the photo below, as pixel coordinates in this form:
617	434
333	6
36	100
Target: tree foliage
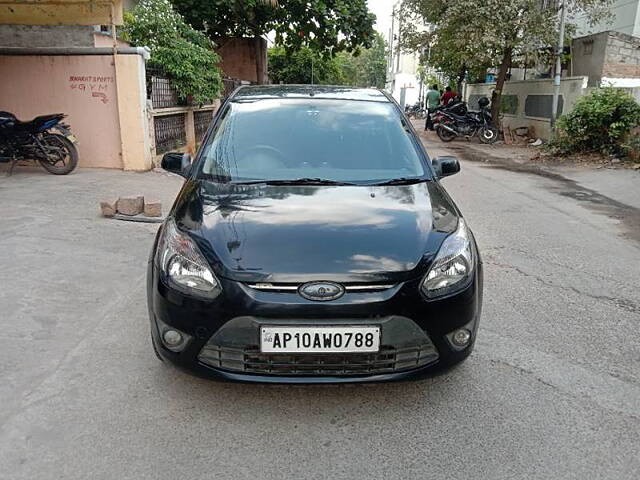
367	67
600	121
183	53
469	35
364	68
298	66
320	24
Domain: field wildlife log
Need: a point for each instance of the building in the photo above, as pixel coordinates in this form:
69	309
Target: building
608	58
243	59
402	68
52	59
59	56
626	19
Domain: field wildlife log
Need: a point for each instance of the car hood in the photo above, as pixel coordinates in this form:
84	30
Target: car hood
261	233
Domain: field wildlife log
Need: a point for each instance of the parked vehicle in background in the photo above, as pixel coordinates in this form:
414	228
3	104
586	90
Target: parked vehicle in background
416	111
44	139
455	106
312	241
454	120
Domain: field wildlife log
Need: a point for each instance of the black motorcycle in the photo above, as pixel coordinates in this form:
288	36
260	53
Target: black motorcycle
455	106
415	111
44	139
456	121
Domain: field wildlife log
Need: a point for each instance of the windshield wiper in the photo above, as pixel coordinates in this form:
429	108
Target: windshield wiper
296	181
401	181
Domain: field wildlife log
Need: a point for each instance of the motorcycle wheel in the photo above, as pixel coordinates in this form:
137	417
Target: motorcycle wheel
445	135
488	135
63	156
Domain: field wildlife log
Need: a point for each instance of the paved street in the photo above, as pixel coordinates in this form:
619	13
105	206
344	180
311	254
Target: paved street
552	390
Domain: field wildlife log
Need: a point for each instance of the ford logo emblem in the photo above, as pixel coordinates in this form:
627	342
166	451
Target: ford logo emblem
321	291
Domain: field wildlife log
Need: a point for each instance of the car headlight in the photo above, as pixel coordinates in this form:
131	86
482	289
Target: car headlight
452	266
184	266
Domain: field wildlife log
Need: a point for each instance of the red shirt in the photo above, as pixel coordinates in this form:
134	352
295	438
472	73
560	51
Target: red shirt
448	96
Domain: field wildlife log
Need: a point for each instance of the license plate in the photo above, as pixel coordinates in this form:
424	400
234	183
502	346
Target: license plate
72	139
319	339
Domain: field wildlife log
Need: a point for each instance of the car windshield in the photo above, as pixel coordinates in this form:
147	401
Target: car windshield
311	140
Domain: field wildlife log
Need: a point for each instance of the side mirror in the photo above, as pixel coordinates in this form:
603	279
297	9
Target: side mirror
445	166
179	163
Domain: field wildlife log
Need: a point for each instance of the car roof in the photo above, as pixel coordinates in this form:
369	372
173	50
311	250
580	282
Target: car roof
258	92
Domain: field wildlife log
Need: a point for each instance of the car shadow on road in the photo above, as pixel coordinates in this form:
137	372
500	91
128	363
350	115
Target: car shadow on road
287	402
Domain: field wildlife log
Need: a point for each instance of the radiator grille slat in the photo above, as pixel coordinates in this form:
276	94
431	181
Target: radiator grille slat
250	360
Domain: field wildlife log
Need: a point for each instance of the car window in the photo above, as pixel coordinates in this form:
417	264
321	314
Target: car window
282	139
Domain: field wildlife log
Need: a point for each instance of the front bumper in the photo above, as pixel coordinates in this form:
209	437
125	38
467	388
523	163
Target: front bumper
235	348
225	333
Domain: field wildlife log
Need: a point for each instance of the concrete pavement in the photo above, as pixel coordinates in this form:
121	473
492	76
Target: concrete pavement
552	390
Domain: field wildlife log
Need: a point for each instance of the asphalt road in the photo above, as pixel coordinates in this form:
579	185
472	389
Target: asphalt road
551	391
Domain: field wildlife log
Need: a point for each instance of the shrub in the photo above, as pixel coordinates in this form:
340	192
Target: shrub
631	145
598	122
183	53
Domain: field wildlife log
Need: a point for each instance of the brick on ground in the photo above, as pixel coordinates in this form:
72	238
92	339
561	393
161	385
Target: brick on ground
108	209
153	208
130	205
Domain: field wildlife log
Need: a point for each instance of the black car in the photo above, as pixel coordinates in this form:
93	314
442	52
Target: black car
313	242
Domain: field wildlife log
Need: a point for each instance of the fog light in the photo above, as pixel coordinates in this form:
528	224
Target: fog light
172	338
461	338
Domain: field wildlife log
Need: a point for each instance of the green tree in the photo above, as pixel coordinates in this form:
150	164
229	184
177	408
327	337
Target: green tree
373	62
469	35
323	25
184	54
452	54
362	68
298	66
365	67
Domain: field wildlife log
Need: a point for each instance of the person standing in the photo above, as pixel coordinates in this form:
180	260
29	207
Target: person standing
449	94
433	100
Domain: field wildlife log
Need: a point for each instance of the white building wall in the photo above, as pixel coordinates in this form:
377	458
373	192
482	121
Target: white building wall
571	88
401	67
626	19
411	86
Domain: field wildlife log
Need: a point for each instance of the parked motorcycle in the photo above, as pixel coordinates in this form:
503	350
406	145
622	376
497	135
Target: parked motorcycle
44	139
455	121
455	105
415	111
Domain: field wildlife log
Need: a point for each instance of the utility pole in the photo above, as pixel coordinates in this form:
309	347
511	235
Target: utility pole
391	39
399	40
558	73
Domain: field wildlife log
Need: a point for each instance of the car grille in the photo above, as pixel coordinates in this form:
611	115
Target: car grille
250	360
293	287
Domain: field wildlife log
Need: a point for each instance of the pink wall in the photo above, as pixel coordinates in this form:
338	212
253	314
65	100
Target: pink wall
82	86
